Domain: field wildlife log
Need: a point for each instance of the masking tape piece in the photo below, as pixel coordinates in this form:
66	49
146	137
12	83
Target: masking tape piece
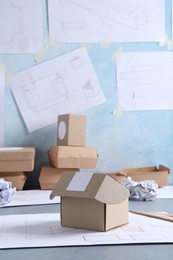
117	55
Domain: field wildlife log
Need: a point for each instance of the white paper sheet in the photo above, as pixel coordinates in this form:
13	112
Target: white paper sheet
145	81
2	93
40	230
66	84
113	20
21	26
32	197
165	192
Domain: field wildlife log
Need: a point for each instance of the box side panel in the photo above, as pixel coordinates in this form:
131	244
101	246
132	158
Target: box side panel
77	134
17	179
18	166
161	178
82	213
116	215
49	176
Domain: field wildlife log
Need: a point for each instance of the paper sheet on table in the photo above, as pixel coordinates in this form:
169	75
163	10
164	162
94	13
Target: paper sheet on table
145	81
32	197
165	192
2	91
112	20
66	84
21	26
40	230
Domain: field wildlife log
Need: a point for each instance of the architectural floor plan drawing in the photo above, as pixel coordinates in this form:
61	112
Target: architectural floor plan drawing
113	20
2	95
66	84
21	29
40	230
145	81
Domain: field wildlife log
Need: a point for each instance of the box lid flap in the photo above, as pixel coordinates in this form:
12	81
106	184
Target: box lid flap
99	186
73	151
17	153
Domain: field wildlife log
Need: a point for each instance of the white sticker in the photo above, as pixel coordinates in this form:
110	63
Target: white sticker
10	148
80	181
62	130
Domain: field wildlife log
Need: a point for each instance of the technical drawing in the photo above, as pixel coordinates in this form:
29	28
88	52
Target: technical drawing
150	80
40	230
119	11
145	81
55	91
91	88
74	21
56	87
21	28
11	13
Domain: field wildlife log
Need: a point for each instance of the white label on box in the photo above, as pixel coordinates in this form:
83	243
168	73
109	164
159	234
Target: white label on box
80	181
62	130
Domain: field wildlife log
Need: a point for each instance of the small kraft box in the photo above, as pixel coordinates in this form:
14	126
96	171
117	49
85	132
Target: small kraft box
72	157
19	159
17	179
159	174
49	176
93	201
71	130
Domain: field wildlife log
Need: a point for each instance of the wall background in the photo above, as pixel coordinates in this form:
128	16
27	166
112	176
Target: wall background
123	140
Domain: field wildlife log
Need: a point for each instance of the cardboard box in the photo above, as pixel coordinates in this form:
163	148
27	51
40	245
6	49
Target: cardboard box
92	201
17	159
49	176
71	130
17	179
158	174
72	157
118	177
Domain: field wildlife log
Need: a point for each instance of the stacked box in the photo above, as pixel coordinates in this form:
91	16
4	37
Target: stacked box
70	151
15	162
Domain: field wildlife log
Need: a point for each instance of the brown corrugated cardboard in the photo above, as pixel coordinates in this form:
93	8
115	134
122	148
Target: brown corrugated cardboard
71	130
72	157
17	160
93	201
17	179
158	174
49	176
118	176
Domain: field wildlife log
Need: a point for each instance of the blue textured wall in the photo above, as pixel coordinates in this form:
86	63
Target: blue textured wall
132	139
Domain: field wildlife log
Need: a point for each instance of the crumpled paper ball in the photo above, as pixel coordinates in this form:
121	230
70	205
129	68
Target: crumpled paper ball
145	190
6	192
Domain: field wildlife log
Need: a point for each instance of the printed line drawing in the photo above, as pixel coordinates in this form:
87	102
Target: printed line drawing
112	20
21	28
55	91
146	82
119	11
40	230
150	80
14	26
62	85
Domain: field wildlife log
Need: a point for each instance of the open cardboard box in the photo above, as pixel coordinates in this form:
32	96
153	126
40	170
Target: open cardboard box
49	176
92	201
72	157
158	174
21	159
17	179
